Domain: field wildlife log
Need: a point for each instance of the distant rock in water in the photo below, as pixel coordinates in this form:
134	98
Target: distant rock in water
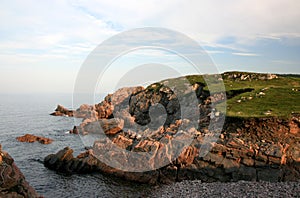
32	138
62	111
12	181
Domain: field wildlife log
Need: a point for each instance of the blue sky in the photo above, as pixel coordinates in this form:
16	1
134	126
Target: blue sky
44	43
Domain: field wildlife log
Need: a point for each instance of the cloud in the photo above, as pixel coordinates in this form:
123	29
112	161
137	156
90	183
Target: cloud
53	32
45	24
245	54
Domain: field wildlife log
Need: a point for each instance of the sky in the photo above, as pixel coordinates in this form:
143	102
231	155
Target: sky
43	44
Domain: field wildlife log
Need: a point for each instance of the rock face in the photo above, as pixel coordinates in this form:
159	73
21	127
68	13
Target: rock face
12	181
32	138
247	149
62	111
252	150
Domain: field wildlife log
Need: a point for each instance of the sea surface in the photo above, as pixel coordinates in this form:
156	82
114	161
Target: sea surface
29	113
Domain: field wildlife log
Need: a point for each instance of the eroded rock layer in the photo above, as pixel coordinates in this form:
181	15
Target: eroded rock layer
129	133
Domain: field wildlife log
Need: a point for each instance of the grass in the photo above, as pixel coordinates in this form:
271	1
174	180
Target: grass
277	101
276	97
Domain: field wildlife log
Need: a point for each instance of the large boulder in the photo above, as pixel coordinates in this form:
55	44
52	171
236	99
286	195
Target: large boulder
12	181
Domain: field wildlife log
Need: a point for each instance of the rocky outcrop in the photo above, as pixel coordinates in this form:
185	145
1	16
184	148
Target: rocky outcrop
253	149
245	76
157	124
12	181
62	111
32	138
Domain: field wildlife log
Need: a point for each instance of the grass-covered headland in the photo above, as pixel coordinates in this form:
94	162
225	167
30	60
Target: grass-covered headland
257	94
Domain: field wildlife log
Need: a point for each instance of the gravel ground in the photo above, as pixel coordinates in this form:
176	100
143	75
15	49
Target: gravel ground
234	189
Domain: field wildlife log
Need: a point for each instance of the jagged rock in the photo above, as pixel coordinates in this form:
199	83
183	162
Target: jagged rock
87	112
32	138
12	181
114	102
62	111
74	130
111	126
122	142
108	126
250	148
249	153
141	102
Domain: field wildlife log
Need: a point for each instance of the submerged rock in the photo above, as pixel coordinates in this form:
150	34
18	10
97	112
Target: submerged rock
12	181
32	138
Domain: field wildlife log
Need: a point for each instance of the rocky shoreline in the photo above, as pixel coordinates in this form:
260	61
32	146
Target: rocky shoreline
12	181
252	149
235	156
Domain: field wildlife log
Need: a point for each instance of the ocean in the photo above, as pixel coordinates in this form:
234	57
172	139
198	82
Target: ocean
29	113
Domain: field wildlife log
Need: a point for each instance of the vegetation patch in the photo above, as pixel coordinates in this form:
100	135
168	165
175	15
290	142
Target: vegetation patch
252	94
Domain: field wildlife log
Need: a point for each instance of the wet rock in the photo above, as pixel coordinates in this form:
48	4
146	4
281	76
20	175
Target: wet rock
12	181
32	138
74	130
62	111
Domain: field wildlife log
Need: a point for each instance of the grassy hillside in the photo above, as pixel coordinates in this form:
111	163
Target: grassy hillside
259	95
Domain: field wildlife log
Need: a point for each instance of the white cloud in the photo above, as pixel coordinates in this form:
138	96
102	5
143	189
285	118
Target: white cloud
45	24
245	54
49	32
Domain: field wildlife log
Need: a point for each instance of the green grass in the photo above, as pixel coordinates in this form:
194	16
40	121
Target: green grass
279	99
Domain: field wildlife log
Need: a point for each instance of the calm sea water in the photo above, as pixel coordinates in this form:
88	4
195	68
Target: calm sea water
21	114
